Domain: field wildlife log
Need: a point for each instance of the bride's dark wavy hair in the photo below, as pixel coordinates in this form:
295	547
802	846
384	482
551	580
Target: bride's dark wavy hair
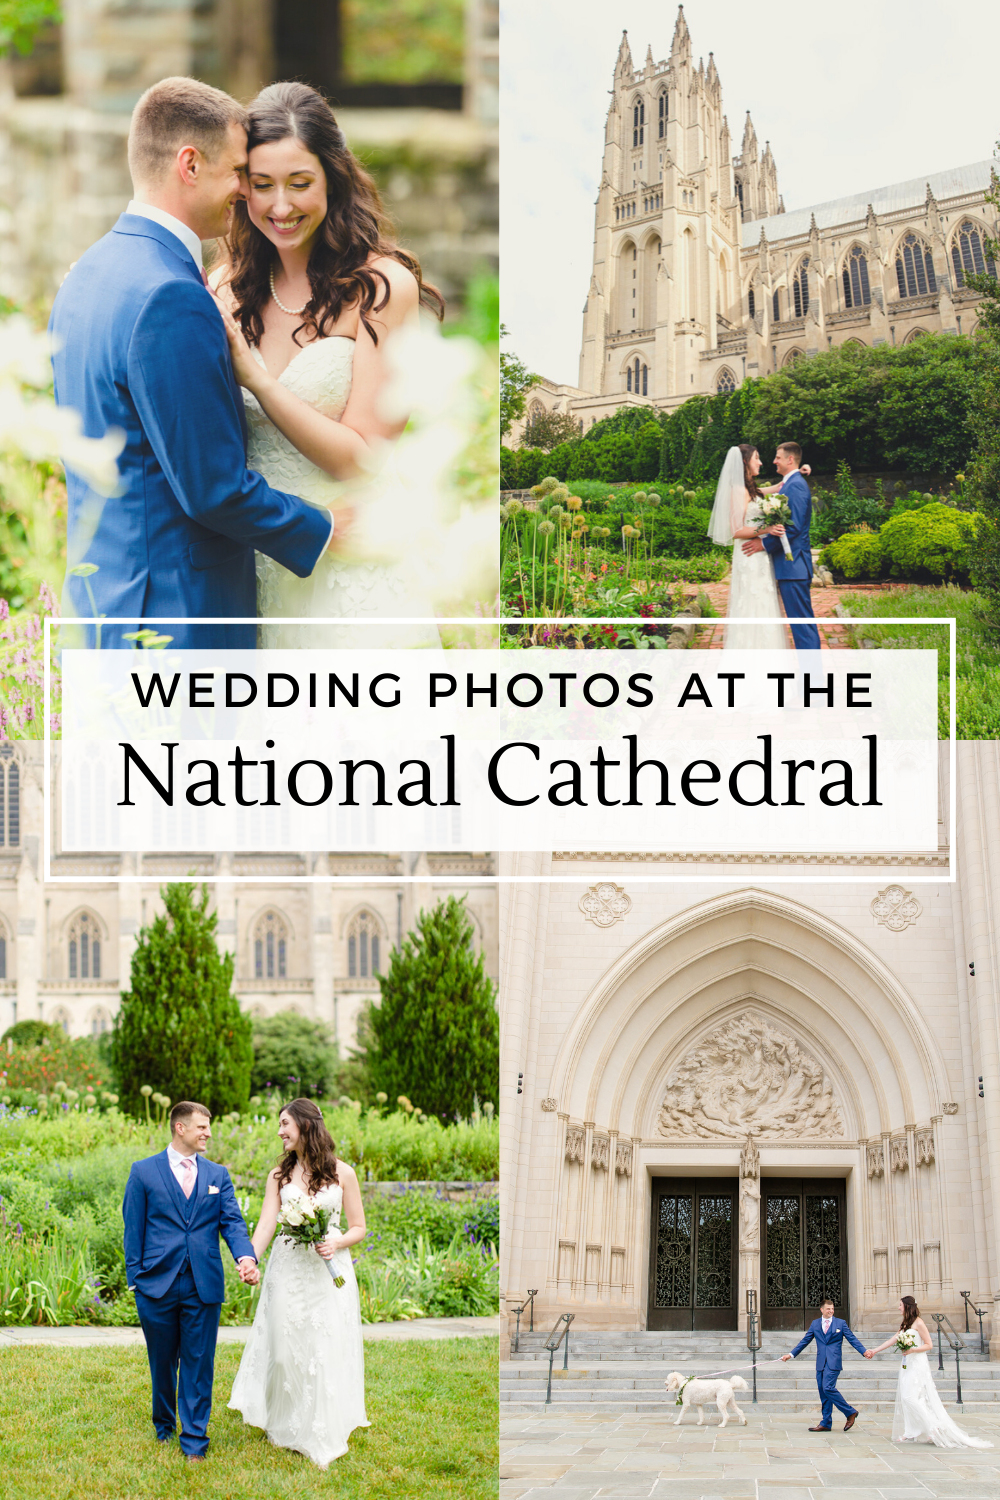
315	1150
911	1312
747	451
355	228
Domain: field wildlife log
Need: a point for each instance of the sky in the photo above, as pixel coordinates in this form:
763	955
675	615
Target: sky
851	95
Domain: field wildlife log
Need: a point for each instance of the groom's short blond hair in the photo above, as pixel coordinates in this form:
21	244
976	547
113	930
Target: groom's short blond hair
792	449
178	112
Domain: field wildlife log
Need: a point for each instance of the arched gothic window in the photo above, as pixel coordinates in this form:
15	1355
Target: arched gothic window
967	254
856	290
914	268
792	357
3	951
664	107
725	383
638	122
100	1022
60	1017
776	306
739	194
84	947
800	289
270	947
751	303
363	947
10	798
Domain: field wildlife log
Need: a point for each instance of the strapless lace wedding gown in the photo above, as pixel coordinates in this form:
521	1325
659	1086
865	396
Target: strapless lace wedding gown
320	374
919	1415
302	1375
753	592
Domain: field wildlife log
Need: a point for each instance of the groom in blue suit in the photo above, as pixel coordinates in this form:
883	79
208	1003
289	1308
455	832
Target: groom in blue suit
830	1333
140	346
794	578
177	1204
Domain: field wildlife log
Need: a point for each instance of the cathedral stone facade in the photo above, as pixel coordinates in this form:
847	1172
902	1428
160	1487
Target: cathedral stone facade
701	279
778	1084
316	948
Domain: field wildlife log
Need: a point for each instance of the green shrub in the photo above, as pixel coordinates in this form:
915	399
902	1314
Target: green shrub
294	1055
856	554
934	540
34	1034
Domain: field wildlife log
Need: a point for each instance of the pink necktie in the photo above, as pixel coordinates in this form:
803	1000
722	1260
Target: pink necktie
188	1184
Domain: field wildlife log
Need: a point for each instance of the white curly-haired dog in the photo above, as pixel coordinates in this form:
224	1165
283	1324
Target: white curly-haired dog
701	1393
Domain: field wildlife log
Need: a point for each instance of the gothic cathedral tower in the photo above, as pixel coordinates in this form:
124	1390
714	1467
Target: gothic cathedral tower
666	275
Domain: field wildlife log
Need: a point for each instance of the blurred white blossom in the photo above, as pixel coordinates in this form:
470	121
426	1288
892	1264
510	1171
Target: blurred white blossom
32	426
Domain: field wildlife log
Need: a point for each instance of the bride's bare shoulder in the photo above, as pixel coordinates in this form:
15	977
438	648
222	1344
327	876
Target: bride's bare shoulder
345	1173
402	282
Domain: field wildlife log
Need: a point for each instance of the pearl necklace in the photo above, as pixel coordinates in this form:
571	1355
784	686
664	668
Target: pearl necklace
292	311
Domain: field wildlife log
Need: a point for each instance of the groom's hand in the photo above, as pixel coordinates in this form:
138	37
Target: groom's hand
249	1270
869	1354
752	545
784	1357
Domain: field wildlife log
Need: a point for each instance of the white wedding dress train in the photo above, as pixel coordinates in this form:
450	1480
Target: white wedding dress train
919	1415
340	588
302	1375
753	592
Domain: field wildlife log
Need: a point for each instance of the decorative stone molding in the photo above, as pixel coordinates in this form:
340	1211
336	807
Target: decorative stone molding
550	1104
895	908
623	1159
924	1141
599	1152
575	1141
747	1077
605	904
876	1162
950	1108
899	1156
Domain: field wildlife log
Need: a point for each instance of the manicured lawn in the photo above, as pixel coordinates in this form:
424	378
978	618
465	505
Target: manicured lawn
977	695
74	1424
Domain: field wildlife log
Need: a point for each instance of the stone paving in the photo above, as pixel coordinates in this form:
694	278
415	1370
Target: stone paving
633	1456
824	603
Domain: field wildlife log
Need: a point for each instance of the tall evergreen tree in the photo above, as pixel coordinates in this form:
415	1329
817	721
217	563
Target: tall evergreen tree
180	1028
984	475
436	1035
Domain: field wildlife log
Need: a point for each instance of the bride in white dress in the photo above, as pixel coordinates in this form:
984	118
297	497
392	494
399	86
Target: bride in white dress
920	1416
752	589
311	289
302	1375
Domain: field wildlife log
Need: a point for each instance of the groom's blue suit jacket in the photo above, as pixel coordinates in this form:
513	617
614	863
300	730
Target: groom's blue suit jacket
799	497
829	1346
163	1228
141	347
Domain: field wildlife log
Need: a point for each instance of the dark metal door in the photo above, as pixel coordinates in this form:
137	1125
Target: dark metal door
693	1276
803	1249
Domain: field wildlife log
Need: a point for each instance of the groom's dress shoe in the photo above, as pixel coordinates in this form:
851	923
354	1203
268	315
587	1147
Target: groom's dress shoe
195	1458
851	1421
820	1429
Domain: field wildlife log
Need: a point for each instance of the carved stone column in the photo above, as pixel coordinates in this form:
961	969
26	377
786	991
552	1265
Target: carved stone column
749	1229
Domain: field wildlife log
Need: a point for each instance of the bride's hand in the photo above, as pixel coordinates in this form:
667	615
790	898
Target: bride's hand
248	371
329	1247
773	531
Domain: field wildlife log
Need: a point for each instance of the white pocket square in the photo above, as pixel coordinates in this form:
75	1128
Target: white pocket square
212	1188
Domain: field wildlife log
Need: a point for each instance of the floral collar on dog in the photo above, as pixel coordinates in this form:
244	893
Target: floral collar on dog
680	1393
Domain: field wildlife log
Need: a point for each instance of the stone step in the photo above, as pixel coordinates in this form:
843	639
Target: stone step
514	1407
679	1348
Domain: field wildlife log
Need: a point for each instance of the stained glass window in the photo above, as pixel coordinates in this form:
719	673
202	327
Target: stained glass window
915	268
726	382
800	289
270	947
967	254
664	106
856	291
84	947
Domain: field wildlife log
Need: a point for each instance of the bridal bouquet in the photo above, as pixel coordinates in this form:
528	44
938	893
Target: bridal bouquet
774	511
905	1341
302	1221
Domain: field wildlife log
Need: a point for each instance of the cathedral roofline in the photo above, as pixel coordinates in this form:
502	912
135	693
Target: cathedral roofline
897	196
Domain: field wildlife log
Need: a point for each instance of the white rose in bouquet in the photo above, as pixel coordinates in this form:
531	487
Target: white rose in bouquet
905	1341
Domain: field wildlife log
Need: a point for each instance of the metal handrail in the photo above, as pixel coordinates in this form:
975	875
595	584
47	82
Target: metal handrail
552	1343
980	1313
956	1342
529	1303
754	1338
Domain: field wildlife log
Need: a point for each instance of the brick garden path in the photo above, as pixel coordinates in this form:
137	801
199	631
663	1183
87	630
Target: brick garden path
824	603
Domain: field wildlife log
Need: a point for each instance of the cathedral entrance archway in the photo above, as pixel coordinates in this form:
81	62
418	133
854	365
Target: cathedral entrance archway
803	1250
693	1273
